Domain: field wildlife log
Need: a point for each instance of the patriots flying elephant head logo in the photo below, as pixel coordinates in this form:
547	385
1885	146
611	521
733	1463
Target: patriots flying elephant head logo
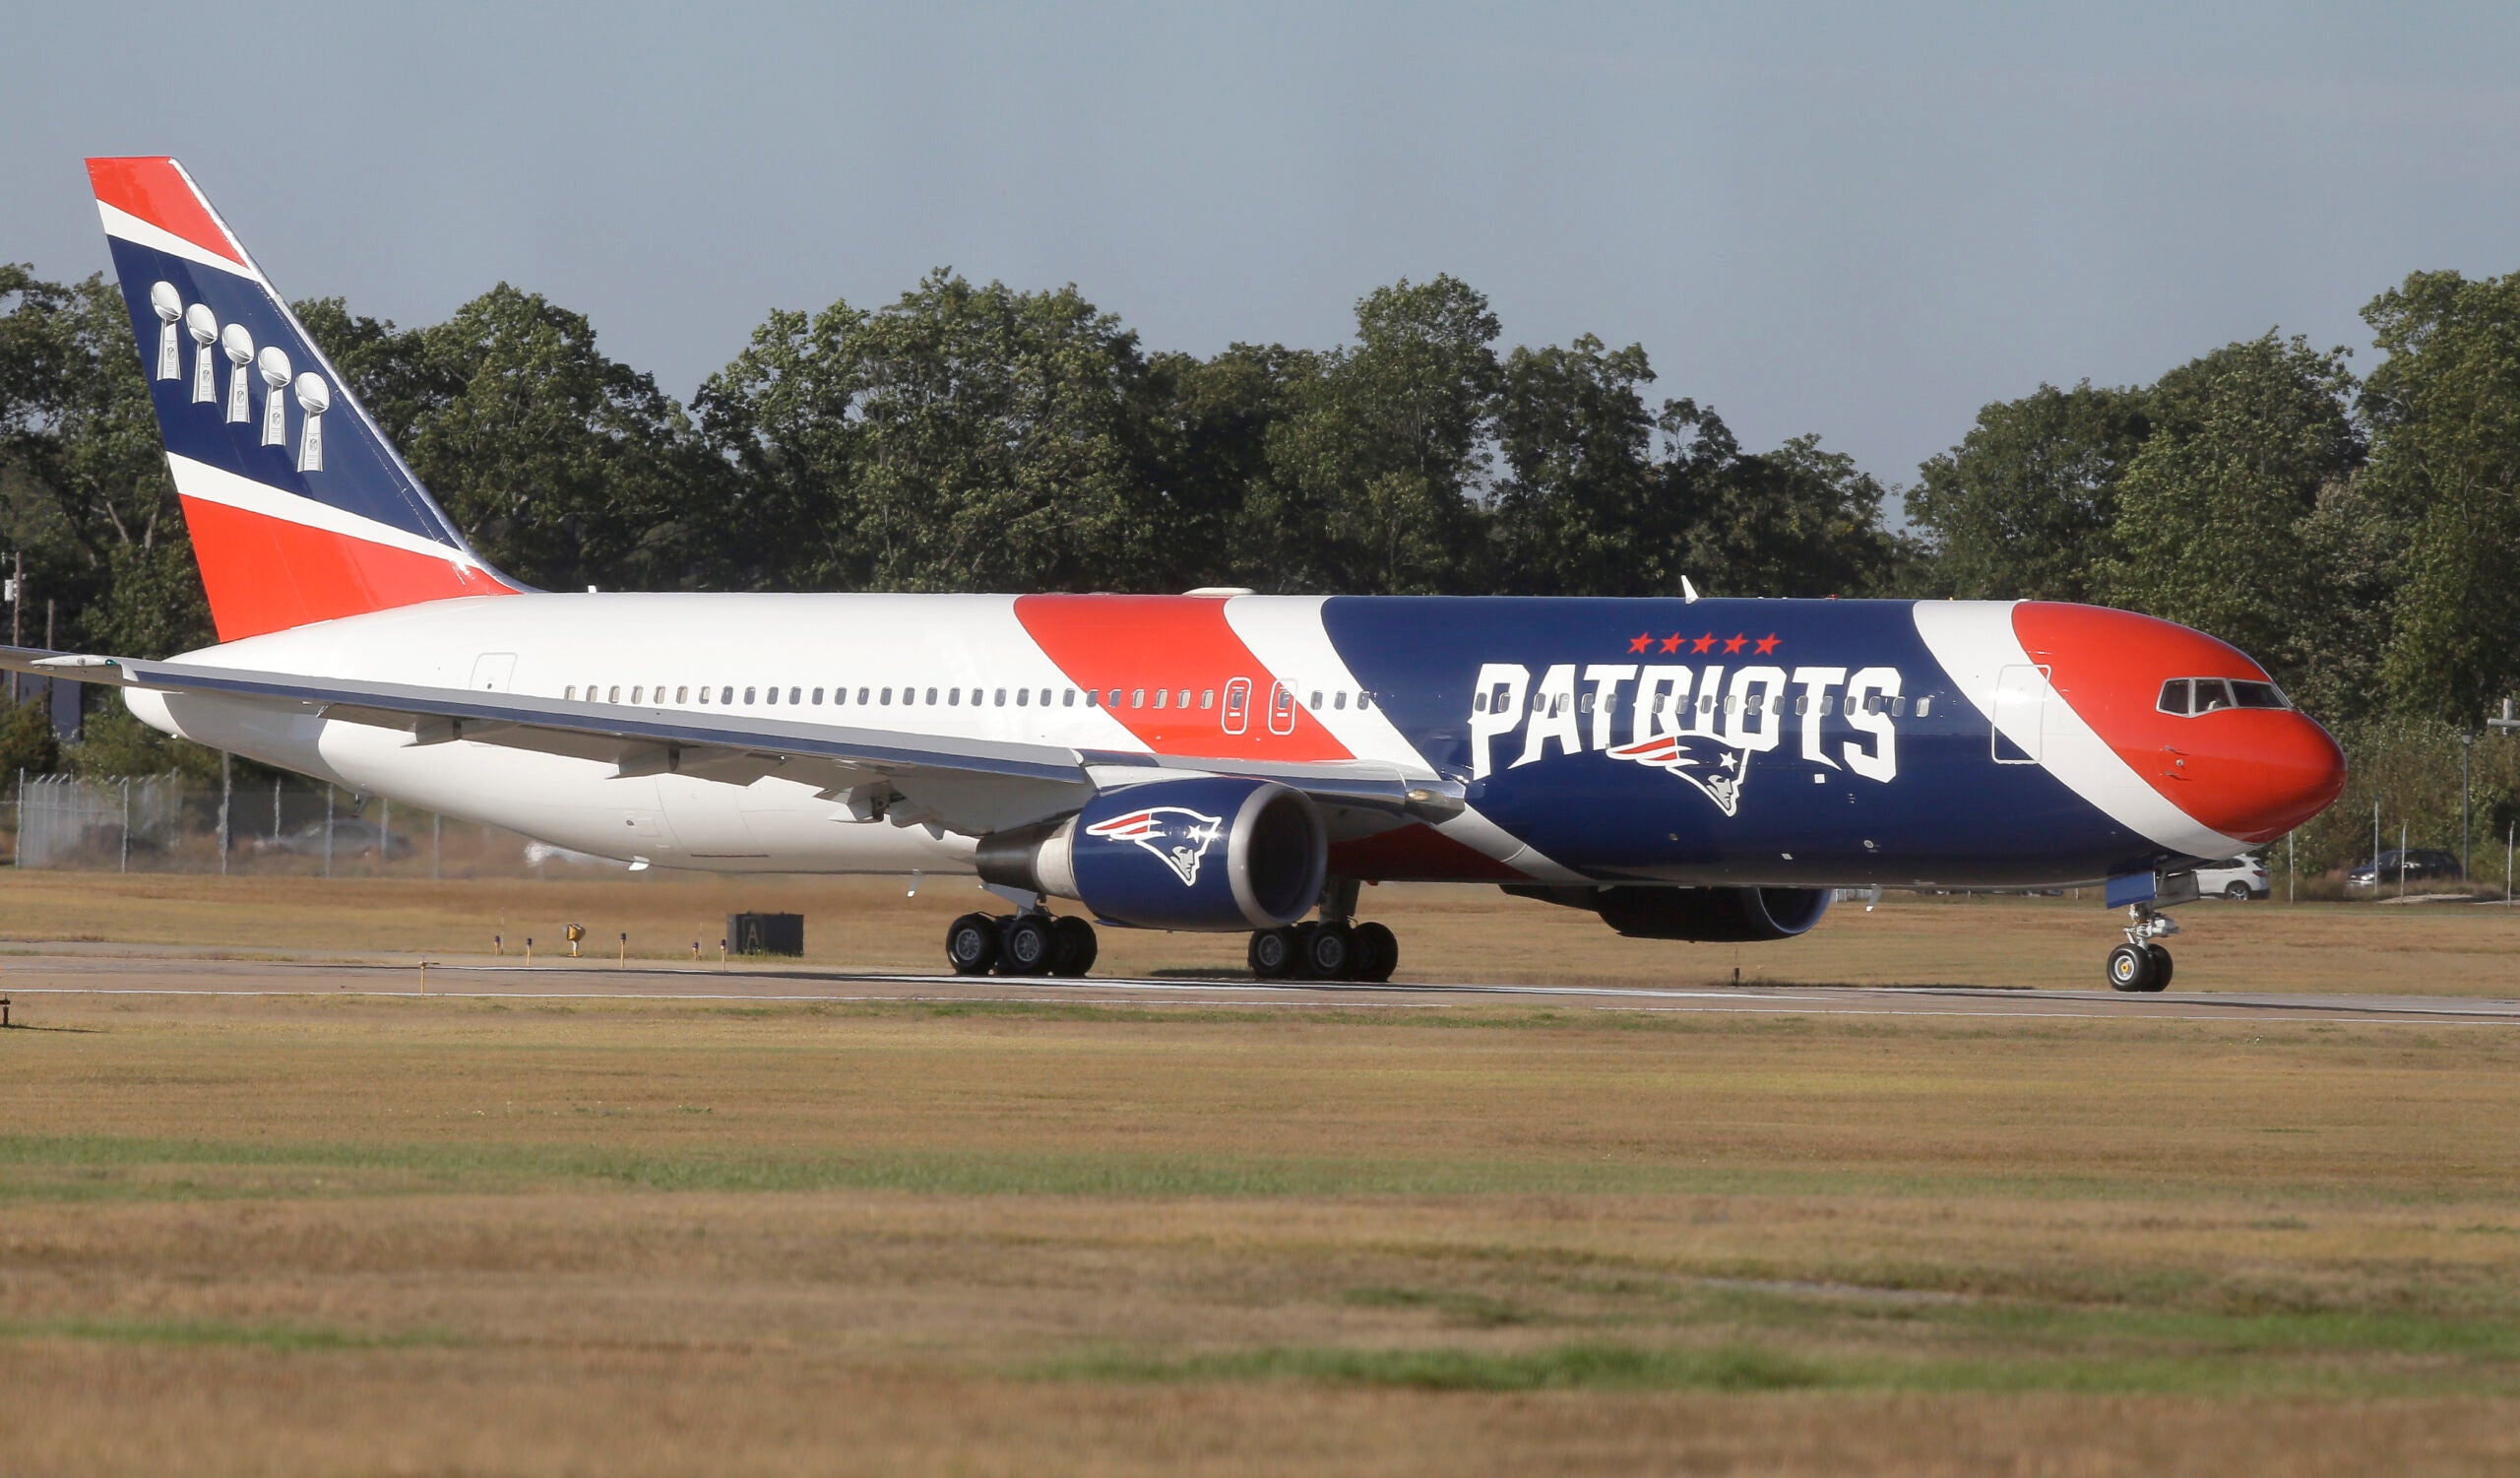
1705	760
1177	834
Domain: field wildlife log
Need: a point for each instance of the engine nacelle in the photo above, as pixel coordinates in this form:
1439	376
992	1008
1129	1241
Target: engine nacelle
1210	854
1710	916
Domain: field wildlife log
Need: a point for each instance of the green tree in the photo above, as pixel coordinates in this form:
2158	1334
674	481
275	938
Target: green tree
963	437
83	489
26	738
2443	410
1797	521
1581	508
2025	505
1376	470
2213	510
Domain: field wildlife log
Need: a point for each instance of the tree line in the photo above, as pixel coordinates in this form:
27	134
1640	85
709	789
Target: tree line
2357	533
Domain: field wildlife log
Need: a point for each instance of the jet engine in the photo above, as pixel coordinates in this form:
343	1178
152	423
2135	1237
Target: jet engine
1212	854
1705	915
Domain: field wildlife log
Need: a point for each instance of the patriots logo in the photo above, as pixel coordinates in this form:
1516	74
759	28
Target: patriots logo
1704	760
1177	834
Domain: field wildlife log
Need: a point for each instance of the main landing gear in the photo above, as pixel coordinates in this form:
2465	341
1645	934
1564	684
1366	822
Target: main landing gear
1033	942
1333	949
2139	964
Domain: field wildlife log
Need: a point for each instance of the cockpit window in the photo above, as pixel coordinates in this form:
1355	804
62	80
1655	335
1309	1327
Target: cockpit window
2188	696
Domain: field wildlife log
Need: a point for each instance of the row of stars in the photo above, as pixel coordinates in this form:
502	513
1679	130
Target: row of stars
1644	642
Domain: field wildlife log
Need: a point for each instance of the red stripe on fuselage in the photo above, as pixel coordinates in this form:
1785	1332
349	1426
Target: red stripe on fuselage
1176	644
1417	853
266	574
155	191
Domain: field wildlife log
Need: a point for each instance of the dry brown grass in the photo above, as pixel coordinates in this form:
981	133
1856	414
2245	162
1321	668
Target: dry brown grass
1470	934
373	1235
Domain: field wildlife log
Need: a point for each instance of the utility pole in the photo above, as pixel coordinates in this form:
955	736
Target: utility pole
2467	742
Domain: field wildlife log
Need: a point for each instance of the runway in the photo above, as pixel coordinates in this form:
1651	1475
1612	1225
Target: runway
32	977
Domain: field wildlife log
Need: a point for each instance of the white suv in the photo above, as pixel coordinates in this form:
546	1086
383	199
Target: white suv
2240	879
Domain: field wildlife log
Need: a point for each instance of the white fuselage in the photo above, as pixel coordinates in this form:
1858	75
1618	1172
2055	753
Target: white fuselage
959	667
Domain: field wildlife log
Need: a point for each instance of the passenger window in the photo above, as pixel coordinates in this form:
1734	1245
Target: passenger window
1316	702
1338	699
931	697
635	693
570	694
887	699
953	697
1924	706
1160	694
1112	699
839	697
1001	697
1364	700
774	696
616	694
683	694
1206	698
1093	697
1828	704
1898	706
1067	698
1802	704
1137	697
1479	703
818	697
793	695
1021	696
862	696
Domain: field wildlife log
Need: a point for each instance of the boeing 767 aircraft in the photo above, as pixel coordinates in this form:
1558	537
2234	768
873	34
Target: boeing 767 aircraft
1688	769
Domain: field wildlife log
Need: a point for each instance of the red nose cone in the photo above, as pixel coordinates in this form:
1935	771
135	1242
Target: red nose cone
2249	773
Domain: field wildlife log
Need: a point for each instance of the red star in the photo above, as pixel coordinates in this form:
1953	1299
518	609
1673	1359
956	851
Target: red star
1767	644
1673	643
1641	643
1703	643
1736	644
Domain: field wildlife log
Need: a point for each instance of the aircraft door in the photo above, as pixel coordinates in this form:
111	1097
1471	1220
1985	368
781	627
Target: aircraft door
1282	709
1238	705
2021	711
492	672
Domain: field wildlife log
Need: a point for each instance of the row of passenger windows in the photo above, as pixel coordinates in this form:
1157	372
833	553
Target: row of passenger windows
951	698
2189	696
1670	704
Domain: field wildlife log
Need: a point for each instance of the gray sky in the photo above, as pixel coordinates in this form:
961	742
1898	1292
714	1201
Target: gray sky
1864	220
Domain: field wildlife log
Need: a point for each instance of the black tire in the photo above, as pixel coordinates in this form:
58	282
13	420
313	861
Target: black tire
1078	947
2237	892
970	944
1377	953
2131	967
1273	953
2161	967
1330	952
1030	946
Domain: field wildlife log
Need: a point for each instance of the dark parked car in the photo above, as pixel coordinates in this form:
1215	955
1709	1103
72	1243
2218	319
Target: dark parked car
351	837
2415	863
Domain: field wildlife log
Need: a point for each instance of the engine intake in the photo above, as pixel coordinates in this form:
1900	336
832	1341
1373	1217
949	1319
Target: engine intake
1212	854
1704	916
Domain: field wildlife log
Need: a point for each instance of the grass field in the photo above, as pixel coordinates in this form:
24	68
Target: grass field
363	1234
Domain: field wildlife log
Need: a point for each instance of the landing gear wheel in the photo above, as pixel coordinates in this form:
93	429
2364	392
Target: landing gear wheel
970	944
1078	945
2131	967
2237	892
1029	947
1329	951
1377	953
1273	953
2161	967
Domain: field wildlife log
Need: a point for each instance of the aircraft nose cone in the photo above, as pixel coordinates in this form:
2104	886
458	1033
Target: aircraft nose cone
2256	776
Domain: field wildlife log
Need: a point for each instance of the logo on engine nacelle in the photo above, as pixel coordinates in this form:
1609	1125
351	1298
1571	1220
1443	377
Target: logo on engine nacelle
1177	834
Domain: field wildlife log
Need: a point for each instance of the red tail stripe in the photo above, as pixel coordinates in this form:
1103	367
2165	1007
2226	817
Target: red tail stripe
268	574
155	191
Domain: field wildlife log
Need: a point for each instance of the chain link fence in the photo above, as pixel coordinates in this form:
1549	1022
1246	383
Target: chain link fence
287	828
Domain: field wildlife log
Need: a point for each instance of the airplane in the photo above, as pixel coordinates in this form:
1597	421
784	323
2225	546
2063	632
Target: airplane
1686	768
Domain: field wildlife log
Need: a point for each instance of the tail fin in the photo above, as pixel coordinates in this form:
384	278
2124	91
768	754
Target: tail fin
298	507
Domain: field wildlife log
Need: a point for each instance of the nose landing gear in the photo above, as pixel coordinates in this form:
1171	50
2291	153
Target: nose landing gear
2139	964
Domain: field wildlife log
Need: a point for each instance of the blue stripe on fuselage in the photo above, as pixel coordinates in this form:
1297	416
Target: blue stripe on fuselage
1926	804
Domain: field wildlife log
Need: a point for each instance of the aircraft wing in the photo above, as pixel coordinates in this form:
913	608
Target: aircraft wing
970	786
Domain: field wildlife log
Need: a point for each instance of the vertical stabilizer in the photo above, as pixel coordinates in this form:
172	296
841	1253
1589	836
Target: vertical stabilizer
299	509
